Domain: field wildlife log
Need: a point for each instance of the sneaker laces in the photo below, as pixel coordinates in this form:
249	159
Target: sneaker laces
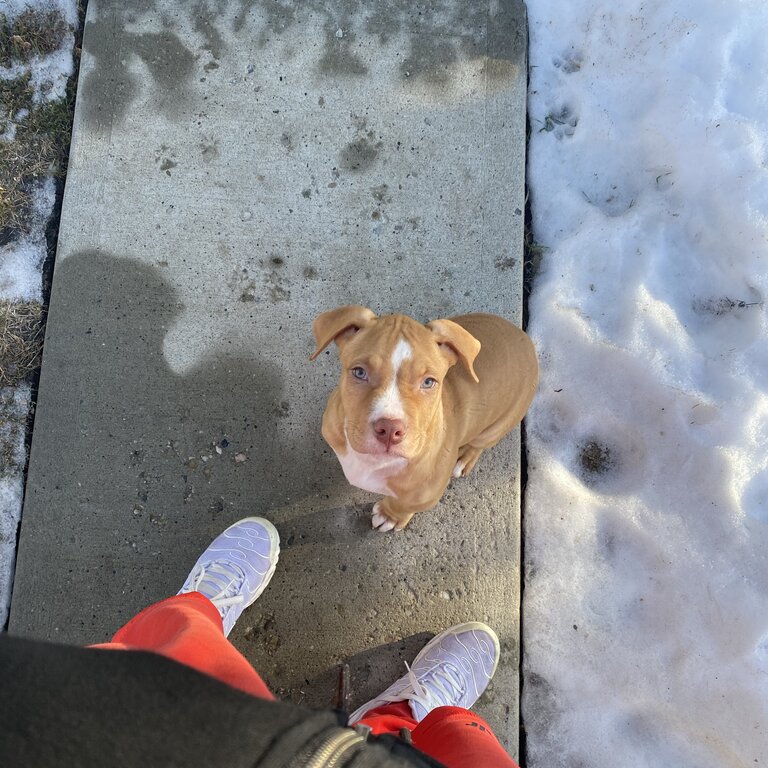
442	686
224	577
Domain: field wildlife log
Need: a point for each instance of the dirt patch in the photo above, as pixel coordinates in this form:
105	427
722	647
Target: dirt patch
595	458
13	418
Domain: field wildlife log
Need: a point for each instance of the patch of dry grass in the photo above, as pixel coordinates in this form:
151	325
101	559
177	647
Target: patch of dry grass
14	407
38	148
22	327
35	32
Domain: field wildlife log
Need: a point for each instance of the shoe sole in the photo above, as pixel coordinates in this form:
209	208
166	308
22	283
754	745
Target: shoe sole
274	549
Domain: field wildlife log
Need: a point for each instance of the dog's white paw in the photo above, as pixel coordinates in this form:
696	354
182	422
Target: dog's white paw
380	521
459	468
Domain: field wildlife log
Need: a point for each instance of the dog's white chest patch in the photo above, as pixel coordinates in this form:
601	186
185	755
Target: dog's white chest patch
370	472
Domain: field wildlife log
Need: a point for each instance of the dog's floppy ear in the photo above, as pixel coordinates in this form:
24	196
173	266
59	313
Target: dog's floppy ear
338	325
460	343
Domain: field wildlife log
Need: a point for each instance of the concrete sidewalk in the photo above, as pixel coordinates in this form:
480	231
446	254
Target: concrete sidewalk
234	173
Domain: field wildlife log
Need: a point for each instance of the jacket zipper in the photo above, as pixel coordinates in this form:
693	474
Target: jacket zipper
330	750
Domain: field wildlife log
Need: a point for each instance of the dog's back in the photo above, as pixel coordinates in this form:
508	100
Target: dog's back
508	374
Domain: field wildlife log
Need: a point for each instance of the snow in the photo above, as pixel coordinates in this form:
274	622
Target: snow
646	512
21	263
16	404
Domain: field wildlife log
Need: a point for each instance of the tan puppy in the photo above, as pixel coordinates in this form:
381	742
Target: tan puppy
405	417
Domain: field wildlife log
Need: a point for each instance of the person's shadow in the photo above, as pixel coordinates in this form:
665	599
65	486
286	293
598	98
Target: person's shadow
135	468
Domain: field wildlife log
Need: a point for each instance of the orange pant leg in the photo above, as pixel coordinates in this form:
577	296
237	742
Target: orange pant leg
452	735
187	628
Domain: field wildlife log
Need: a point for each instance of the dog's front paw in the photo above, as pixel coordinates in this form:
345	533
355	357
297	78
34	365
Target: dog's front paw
383	521
380	520
468	456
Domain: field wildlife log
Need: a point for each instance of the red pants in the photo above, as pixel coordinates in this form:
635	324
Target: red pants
187	628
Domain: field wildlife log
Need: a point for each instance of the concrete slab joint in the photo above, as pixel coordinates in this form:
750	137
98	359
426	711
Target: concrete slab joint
235	171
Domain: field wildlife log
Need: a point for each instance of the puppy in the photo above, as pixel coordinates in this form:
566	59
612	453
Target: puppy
418	404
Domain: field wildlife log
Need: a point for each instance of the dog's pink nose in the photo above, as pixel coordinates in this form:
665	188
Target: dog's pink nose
389	431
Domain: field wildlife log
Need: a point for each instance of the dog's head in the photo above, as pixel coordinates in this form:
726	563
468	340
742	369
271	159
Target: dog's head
392	375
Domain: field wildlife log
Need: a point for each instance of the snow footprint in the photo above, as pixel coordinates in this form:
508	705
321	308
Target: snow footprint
612	196
728	322
569	62
561	121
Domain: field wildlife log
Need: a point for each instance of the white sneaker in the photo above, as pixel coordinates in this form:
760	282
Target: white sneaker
236	567
451	670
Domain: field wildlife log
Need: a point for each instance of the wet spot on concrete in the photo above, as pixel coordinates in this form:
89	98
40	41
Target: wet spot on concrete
275	17
164	156
277	291
500	71
287	142
242	284
359	155
169	61
339	58
209	150
430	59
216	508
507	39
211	65
109	87
439	38
204	25
381	194
307	193
415	222
310	273
276	284
505	263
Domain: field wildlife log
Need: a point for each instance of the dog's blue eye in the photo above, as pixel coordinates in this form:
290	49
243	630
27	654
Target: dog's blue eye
429	383
359	373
